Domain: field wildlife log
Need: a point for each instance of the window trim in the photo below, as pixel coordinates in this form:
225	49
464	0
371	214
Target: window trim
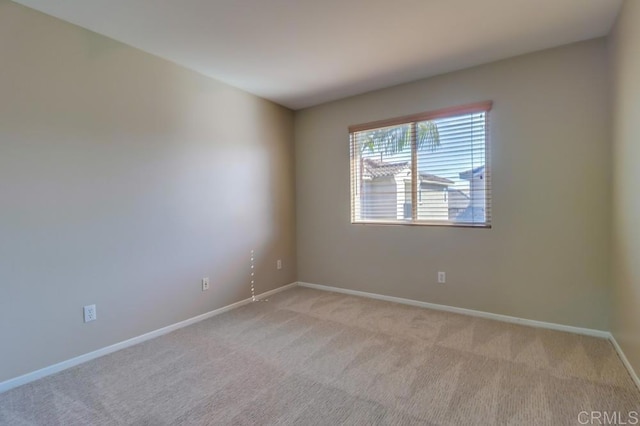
424	116
471	108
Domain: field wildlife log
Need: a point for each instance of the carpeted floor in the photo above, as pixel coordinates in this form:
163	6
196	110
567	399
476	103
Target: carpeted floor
308	357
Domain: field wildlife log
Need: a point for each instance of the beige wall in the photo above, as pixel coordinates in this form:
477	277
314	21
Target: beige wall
124	179
546	257
625	75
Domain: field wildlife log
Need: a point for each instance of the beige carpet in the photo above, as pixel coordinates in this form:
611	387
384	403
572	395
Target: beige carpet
308	357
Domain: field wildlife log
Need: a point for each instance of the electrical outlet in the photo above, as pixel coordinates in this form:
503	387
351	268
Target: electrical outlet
90	313
279	264
205	284
442	277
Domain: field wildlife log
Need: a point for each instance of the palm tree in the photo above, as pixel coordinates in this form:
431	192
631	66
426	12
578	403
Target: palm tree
392	140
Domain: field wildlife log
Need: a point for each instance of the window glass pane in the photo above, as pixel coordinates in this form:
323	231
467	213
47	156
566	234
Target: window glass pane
451	172
383	178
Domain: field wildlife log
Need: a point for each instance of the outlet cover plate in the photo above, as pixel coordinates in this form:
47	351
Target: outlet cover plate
90	313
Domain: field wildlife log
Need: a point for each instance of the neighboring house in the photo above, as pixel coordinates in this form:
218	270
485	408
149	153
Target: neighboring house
384	189
475	212
458	201
386	192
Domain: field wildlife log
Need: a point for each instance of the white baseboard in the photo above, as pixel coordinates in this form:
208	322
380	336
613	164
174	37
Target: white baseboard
52	369
498	317
463	311
625	361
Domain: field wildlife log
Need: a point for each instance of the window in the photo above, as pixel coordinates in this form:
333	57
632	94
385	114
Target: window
425	169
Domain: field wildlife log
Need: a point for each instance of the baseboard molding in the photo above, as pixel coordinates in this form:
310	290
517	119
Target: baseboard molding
625	361
52	369
463	311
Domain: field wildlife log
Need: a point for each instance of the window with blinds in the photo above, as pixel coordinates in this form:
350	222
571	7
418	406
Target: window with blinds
425	169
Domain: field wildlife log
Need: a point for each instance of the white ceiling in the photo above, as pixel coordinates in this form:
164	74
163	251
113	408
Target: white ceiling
300	53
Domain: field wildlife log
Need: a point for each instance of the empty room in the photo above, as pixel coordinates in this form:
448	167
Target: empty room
296	212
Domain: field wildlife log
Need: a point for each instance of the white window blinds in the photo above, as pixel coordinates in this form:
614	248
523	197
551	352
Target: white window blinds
429	168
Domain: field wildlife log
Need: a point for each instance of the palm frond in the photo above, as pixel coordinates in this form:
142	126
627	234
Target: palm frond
427	135
393	140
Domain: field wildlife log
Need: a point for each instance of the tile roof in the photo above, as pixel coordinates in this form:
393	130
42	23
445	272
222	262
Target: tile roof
433	178
375	168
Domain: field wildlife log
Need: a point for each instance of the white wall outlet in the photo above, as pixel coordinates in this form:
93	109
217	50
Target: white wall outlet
279	264
442	277
90	313
205	284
